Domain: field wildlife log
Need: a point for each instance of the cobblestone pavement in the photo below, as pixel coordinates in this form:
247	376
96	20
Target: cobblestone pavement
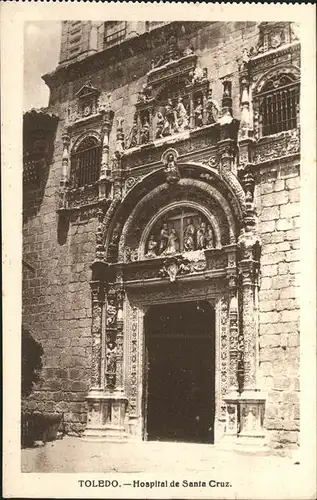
278	475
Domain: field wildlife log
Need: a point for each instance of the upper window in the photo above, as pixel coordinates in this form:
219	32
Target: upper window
115	32
85	163
279	104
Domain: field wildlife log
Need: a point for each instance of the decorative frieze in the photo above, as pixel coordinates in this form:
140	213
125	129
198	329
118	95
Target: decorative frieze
277	146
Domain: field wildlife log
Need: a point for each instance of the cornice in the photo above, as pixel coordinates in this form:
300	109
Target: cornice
273	53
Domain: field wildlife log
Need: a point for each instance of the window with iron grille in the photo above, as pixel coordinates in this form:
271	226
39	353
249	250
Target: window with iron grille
115	32
279	105
85	163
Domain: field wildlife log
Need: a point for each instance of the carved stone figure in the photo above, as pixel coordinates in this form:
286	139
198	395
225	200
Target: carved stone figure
111	312
201	236
152	247
145	132
189	236
111	364
159	125
171	169
145	94
169	114
198	113
133	135
163	238
211	109
172	244
209	237
182	116
199	75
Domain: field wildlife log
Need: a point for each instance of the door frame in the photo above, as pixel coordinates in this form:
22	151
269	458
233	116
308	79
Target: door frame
145	387
137	303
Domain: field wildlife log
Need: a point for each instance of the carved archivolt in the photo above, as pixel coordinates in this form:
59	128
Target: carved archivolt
191	185
85	135
274	73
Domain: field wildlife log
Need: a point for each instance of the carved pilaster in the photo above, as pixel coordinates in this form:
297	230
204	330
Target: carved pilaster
65	159
105	171
97	289
119	373
248	324
234	331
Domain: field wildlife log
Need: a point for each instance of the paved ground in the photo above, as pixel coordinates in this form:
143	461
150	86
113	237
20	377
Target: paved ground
250	476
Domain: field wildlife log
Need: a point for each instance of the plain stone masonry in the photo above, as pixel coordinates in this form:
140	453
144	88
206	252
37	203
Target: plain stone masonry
278	212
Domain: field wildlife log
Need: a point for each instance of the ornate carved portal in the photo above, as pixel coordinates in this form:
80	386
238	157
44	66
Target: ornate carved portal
180	227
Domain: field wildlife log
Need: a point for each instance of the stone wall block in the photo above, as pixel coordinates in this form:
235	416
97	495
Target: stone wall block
269	213
279	185
274	199
268	305
269	317
267	226
289	316
284	224
290	210
292	183
270	270
272	258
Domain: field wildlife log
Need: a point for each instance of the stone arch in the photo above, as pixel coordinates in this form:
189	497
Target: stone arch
224	189
201	187
94	134
287	69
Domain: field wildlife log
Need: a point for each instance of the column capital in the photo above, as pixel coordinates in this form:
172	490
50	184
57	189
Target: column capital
98	291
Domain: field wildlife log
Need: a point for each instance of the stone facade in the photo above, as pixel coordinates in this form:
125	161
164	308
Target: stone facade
90	277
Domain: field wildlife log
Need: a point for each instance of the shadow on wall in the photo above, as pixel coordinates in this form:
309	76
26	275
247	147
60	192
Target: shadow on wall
37	158
62	229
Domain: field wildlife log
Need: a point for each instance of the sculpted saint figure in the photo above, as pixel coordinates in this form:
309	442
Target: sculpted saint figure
211	109
171	170
111	358
201	236
181	113
198	114
163	238
169	124
159	125
152	246
133	136
209	237
145	132
189	234
172	244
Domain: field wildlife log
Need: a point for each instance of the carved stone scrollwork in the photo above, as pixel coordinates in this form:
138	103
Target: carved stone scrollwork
97	289
224	351
249	245
133	389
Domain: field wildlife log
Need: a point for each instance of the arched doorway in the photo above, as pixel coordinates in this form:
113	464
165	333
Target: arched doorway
179	378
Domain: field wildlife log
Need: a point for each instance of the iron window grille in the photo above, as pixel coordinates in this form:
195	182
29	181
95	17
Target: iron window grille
115	32
279	105
85	163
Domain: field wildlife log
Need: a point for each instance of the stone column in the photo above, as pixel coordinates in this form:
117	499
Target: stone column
252	400
98	297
